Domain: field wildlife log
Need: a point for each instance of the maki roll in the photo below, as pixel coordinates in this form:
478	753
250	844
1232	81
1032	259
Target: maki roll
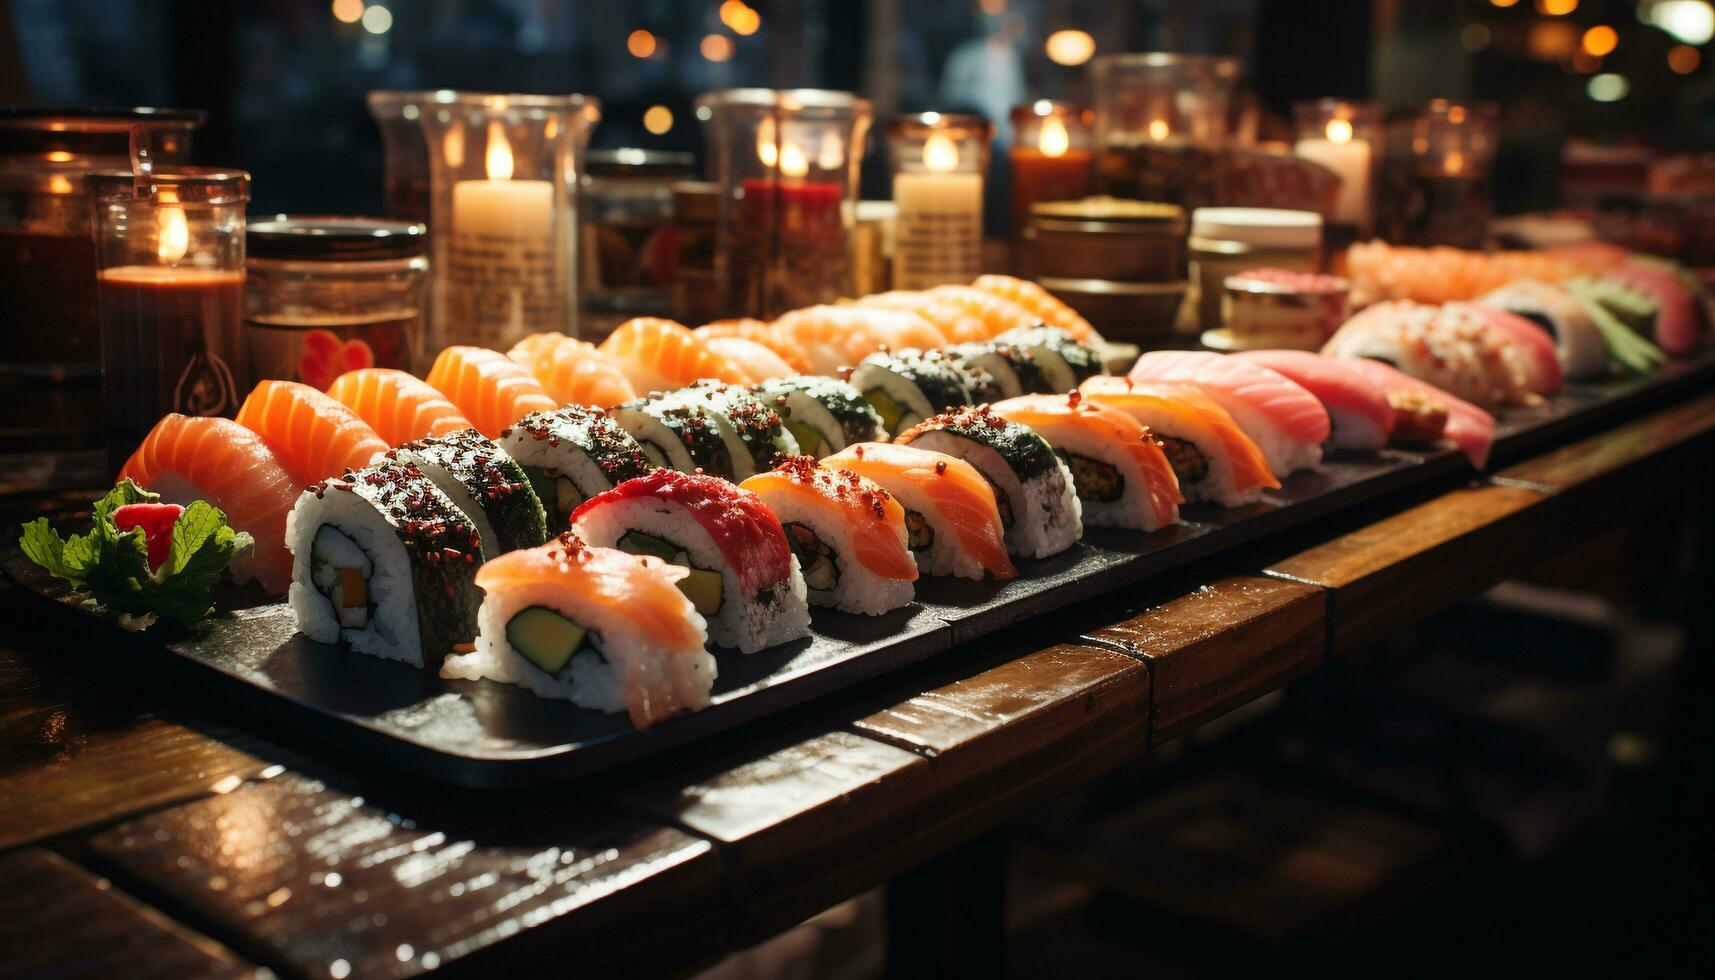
1033	487
847	533
743	576
1063	361
908	386
717	428
824	415
1121	476
1012	366
571	454
594	626
483	482
1211	456
383	560
952	524
1625	319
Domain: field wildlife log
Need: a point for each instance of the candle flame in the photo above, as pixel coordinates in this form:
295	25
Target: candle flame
1339	131
767	146
793	162
452	146
173	231
1053	140
499	158
1158	129
1455	162
831	153
940	154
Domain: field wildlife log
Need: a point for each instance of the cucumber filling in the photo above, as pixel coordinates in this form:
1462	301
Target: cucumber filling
340	571
919	535
543	482
818	561
655	453
892	413
703	587
1189	465
549	640
809	438
567	496
1094	479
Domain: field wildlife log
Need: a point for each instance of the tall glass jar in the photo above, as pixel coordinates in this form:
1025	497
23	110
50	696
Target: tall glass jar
50	360
327	295
1160	117
939	164
1050	158
786	162
170	290
626	243
503	171
1439	181
404	152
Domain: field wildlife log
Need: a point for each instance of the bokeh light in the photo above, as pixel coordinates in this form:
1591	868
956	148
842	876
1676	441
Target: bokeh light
348	11
1070	47
657	119
640	43
1683	59
377	20
1601	40
1556	8
716	47
1608	87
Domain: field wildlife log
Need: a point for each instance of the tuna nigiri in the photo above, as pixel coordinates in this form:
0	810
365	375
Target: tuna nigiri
400	407
572	371
1122	477
188	458
1041	303
491	389
848	533
316	437
660	355
1358	410
1283	419
1469	427
833	337
755	362
1211	456
951	518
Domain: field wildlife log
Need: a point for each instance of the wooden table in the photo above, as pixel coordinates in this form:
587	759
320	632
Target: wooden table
172	839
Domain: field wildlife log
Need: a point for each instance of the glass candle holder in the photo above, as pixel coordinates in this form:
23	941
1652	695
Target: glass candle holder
50	335
939	162
503	169
1159	118
1346	137
786	163
170	289
404	151
1440	184
1050	158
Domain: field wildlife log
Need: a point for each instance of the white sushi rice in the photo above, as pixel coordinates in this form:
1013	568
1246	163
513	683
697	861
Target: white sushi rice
660	444
588	680
746	622
361	538
1047	517
857	589
1285	454
870	375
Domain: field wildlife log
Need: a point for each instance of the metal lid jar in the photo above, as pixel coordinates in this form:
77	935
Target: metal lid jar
1227	241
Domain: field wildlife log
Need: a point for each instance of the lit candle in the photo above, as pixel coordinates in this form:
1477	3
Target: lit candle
499	271
1051	170
1349	158
939	235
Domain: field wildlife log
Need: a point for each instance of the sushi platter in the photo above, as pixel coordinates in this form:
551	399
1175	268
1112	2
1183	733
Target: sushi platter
478	733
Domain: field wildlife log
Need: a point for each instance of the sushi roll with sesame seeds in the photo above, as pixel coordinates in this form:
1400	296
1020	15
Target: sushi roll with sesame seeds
715	428
571	454
1034	489
488	485
1063	361
383	560
824	415
1012	366
755	437
905	387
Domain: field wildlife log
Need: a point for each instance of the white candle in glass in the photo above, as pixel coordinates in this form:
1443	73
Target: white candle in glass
938	236
502	248
1350	159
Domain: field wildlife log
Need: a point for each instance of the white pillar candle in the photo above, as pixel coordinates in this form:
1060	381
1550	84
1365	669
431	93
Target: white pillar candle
1350	161
499	276
938	231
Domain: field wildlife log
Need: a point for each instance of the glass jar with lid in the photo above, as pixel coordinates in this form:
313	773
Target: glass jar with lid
626	245
1227	241
327	295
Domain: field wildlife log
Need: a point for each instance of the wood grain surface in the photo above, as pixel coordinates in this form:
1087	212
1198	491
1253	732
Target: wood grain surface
1221	645
58	920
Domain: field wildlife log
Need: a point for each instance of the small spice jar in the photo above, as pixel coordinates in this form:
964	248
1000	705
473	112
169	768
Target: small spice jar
1228	241
327	295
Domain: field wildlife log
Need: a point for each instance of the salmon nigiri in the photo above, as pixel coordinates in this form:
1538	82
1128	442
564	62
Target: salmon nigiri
848	533
1044	305
1358	410
833	337
186	458
756	362
1212	457
399	406
1287	422
964	313
491	389
757	332
660	355
573	371
316	437
1120	472
952	521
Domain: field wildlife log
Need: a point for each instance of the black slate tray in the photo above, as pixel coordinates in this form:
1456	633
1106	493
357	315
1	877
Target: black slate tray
482	734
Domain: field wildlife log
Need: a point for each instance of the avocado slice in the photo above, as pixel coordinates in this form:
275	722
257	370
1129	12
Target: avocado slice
567	496
544	637
704	589
808	437
884	405
638	543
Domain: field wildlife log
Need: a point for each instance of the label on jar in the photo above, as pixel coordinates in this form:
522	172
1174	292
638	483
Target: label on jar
316	350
